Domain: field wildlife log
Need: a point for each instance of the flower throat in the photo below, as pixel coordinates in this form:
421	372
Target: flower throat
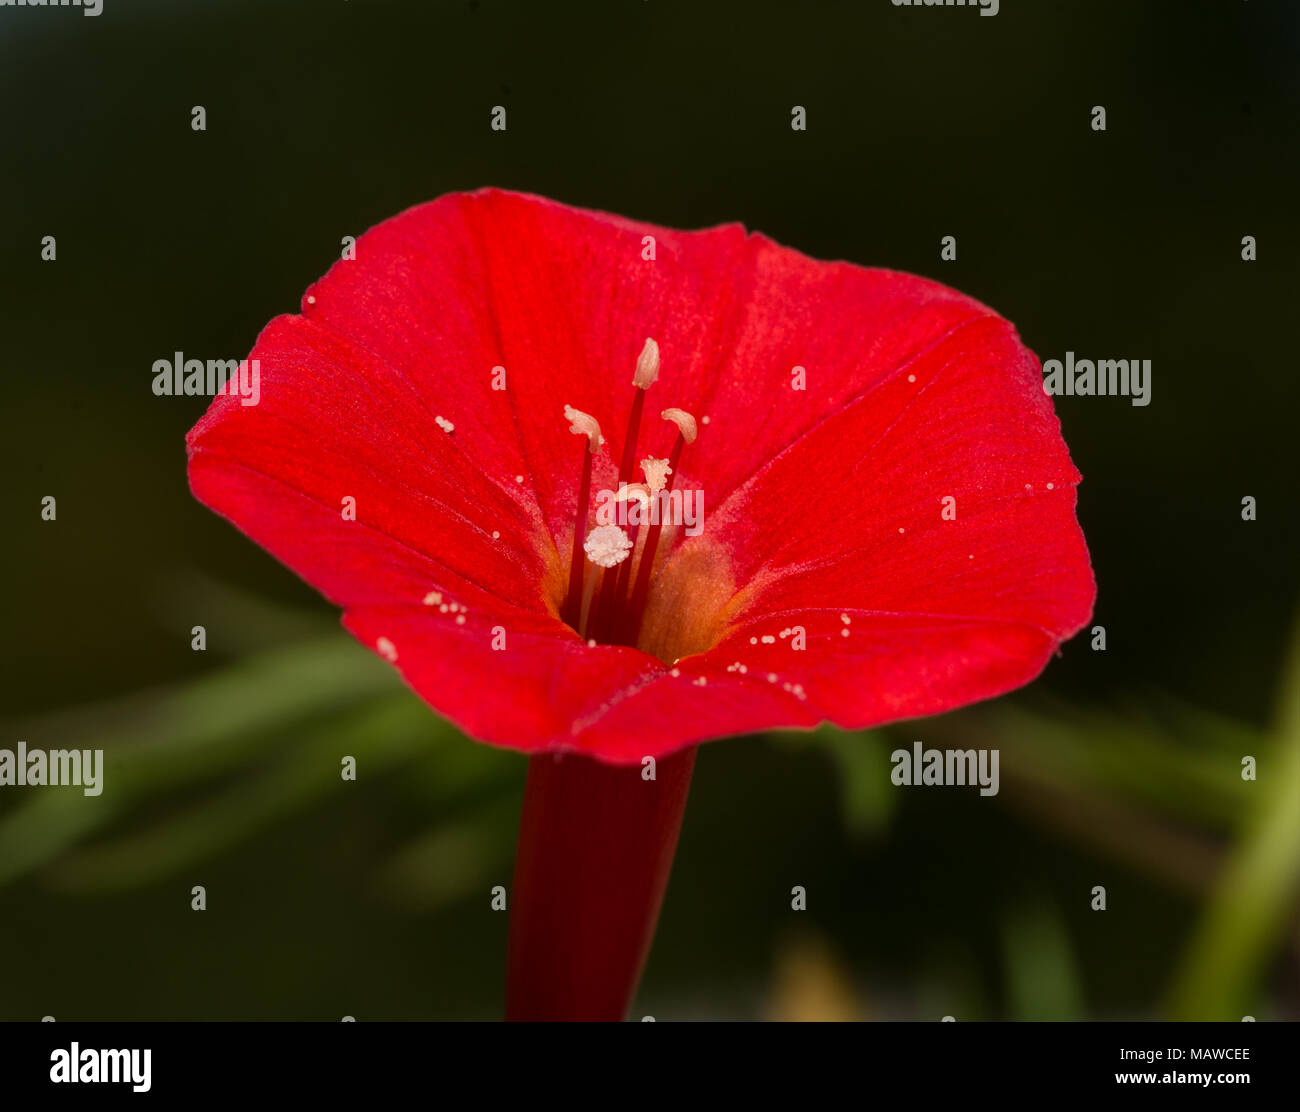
606	603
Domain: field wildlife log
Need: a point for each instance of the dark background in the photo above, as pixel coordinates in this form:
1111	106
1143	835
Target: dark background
1120	768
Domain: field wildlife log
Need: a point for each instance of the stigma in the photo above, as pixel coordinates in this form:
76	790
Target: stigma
607	545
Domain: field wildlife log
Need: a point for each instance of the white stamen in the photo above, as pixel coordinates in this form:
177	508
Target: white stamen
444	424
684	421
639	491
584	424
656	473
647	366
607	545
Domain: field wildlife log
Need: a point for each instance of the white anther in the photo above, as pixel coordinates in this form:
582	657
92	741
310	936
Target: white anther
684	421
584	424
639	491
647	366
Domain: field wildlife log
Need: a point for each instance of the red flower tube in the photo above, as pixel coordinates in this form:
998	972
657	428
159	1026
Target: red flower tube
889	516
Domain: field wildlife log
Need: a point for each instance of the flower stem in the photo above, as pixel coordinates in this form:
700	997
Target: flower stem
596	845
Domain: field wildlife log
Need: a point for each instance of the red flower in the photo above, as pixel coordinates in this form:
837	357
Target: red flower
824	506
889	516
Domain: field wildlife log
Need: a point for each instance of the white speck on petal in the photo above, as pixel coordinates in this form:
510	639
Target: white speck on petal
386	649
433	598
444	424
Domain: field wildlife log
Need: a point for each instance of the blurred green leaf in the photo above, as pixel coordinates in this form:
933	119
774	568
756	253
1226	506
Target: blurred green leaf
1041	973
1255	896
160	740
378	735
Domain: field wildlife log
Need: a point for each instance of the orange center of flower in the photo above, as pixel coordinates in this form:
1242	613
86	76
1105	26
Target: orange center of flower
609	599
